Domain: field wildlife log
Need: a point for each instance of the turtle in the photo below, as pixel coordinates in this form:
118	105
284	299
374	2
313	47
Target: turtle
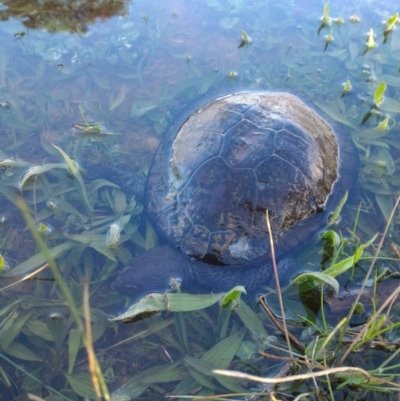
214	177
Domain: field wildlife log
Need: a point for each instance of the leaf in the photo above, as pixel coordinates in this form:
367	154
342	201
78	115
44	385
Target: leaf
344	265
74	344
334	217
391	21
154	302
335	115
14	327
57	327
37	170
223	353
19	351
331	238
39	329
82	384
102	82
206	368
354	49
320	278
136	385
390	106
115	101
385	203
74	170
253	323
378	95
233	296
120	202
141	107
39	259
97	184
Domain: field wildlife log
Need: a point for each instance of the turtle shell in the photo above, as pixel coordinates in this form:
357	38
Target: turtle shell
212	180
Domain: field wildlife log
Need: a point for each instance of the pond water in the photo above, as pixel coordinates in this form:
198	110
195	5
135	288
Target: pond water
88	91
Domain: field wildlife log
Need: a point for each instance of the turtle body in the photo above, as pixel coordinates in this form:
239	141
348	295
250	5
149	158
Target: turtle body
212	180
233	159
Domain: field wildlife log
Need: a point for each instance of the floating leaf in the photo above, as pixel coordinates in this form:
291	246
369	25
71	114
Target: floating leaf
378	95
4	266
391	21
328	39
245	39
346	87
325	19
390	24
366	117
370	41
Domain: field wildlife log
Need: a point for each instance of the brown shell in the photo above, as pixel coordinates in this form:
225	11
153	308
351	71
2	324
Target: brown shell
211	182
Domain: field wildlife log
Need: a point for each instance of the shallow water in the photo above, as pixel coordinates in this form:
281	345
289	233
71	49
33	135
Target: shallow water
104	84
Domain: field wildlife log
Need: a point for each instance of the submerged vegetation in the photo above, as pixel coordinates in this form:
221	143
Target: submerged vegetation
65	100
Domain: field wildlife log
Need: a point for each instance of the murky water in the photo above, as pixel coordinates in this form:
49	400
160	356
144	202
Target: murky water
98	85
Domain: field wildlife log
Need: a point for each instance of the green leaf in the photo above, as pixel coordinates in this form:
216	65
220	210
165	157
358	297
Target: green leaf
141	107
253	323
135	386
57	327
74	170
39	329
74	344
336	116
82	384
39	259
233	296
391	21
344	265
331	238
19	351
385	203
13	328
37	170
378	95
320	278
181	302
334	217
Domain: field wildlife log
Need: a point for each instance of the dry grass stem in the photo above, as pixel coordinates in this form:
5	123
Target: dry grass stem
278	287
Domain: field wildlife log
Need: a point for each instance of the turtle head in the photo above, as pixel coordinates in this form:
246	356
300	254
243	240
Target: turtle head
152	271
